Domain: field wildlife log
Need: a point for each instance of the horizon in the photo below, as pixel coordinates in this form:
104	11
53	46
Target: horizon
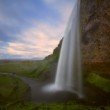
32	29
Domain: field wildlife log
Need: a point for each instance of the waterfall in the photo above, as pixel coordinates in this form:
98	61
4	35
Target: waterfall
69	76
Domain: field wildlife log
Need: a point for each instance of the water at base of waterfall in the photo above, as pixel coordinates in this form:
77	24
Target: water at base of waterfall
53	89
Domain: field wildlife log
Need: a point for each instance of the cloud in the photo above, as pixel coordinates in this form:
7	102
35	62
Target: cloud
50	1
64	7
30	31
16	15
38	40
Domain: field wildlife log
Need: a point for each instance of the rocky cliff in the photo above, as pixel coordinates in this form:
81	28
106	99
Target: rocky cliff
95	28
95	25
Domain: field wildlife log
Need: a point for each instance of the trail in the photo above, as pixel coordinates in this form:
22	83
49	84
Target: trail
39	96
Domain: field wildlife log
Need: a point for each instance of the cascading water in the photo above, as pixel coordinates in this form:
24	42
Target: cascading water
69	77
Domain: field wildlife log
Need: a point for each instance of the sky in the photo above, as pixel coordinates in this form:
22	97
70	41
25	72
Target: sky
32	29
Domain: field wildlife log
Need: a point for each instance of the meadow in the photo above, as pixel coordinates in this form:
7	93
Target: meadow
13	91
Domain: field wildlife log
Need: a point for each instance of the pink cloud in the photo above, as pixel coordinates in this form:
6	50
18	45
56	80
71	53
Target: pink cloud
42	38
38	40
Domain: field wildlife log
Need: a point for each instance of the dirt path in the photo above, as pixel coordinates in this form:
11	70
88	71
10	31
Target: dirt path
39	96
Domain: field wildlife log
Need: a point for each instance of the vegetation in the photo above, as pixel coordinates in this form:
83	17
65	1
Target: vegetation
19	67
33	69
42	68
95	74
12	90
99	81
67	106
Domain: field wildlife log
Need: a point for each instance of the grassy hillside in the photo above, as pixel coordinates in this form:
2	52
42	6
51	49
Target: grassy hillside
18	67
100	82
12	90
34	69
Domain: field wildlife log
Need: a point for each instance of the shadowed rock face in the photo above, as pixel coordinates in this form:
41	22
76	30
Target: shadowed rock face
95	27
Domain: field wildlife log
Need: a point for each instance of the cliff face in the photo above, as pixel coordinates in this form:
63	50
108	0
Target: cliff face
95	27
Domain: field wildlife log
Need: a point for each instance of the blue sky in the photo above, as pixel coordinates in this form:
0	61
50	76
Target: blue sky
31	29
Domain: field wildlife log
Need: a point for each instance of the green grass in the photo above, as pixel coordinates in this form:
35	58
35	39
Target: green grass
67	106
33	69
54	57
18	67
99	82
39	70
11	89
44	68
95	74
